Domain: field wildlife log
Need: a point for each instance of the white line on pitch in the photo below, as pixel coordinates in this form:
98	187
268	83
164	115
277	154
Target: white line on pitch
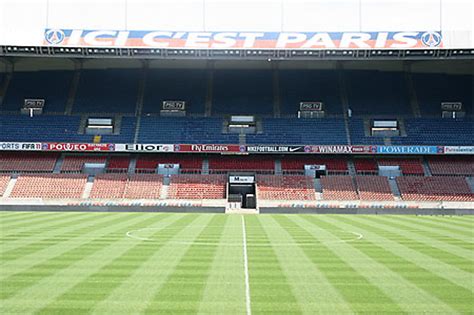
246	267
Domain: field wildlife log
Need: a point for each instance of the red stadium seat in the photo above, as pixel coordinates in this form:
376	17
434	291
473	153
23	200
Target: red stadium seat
75	163
434	188
373	188
338	188
27	162
197	187
49	186
4	180
271	187
408	166
463	166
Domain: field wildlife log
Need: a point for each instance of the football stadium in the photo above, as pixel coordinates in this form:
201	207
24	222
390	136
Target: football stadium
237	157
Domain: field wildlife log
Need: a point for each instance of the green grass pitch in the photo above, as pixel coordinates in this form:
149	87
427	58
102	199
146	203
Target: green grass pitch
150	263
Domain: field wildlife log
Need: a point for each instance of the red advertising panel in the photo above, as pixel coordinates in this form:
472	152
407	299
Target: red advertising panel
209	148
78	147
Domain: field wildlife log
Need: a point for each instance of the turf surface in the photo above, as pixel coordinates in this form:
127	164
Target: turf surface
124	263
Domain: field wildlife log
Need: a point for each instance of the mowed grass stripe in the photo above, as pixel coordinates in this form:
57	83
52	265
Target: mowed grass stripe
15	227
270	290
60	232
356	285
407	296
439	233
46	290
19	217
405	248
312	289
21	280
156	260
447	224
183	290
91	290
452	255
441	287
225	287
459	221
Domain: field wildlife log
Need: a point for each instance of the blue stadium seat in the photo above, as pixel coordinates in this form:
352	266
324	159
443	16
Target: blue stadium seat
437	131
127	132
107	91
309	85
432	89
300	131
243	92
53	86
357	131
377	93
175	84
184	130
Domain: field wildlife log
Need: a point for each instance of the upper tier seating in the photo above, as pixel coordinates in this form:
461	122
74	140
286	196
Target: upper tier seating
300	131
144	186
118	164
49	186
408	166
333	165
27	162
107	91
197	187
109	186
433	88
366	166
452	165
184	130
272	187
172	85
338	188
4	180
243	92
436	131
388	97
232	163
187	163
75	163
309	85
21	128
52	86
434	188
373	188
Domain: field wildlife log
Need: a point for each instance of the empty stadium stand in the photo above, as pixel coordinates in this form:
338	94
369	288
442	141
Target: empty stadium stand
359	135
300	131
463	166
408	166
118	164
338	188
52	86
27	162
75	163
109	186
171	85
365	165
107	91
373	188
233	163
243	92
143	186
271	187
49	186
187	163
435	188
197	187
297	163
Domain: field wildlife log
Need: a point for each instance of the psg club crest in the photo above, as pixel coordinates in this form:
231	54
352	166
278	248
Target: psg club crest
431	39
54	36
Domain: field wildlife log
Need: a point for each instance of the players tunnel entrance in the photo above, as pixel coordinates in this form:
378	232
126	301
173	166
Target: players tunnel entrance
241	190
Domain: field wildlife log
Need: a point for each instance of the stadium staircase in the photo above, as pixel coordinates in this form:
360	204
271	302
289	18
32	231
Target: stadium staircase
318	188
209	94
3	89
205	167
278	168
165	188
470	181
88	187
10	185
412	93
351	167
394	188
59	164
132	166
276	93
426	168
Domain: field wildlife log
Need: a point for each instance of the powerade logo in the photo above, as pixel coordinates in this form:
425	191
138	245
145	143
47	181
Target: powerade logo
407	149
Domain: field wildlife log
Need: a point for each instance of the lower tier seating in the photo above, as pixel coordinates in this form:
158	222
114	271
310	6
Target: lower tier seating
373	188
452	165
75	163
4	180
109	186
231	163
435	188
338	188
333	165
197	187
144	186
272	187
49	186
27	162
